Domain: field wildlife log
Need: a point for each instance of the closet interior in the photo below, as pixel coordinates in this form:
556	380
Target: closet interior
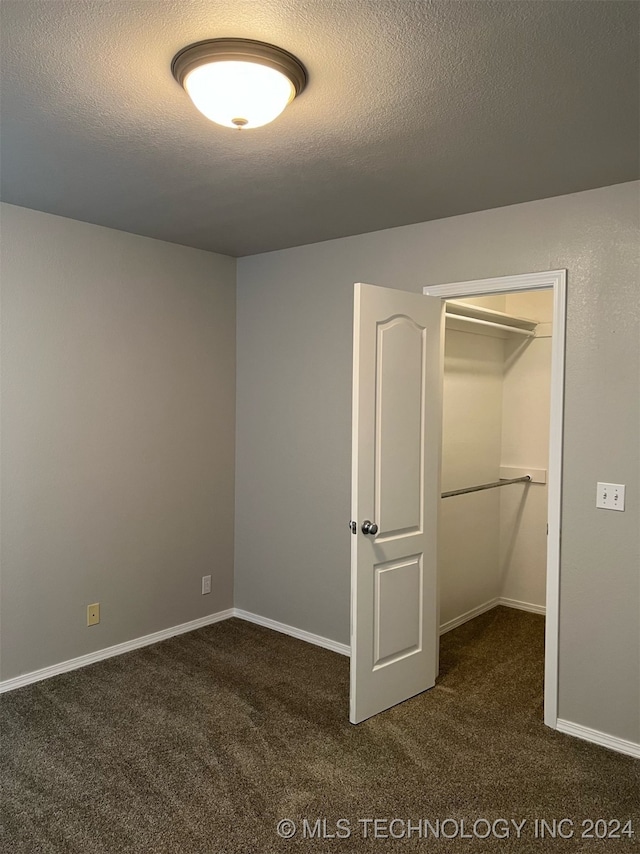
497	380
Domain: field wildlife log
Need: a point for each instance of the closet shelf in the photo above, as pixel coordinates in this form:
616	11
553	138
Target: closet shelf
461	315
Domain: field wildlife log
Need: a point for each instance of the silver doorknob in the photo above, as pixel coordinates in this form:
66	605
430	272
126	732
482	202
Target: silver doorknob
369	528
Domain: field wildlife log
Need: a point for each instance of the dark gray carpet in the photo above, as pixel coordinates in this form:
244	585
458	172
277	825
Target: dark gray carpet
203	743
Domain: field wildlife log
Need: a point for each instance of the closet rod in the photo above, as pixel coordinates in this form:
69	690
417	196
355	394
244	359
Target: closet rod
492	323
491	485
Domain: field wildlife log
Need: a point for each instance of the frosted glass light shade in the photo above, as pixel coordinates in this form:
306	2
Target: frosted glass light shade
239	83
239	94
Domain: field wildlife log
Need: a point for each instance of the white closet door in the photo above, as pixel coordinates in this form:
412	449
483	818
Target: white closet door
397	414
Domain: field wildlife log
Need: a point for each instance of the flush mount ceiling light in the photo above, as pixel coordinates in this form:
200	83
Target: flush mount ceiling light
239	83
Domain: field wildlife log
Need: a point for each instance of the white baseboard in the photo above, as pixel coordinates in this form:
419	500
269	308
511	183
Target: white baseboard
468	615
317	640
165	634
612	742
111	651
487	606
522	606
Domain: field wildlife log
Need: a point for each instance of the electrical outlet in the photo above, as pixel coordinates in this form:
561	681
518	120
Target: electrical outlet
610	496
93	614
206	584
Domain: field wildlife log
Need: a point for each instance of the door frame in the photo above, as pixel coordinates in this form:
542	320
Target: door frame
555	280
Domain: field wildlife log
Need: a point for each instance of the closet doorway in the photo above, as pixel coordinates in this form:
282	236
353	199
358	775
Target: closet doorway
502	420
398	379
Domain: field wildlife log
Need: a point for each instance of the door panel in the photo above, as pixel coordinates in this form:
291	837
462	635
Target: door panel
397	394
399	429
398	589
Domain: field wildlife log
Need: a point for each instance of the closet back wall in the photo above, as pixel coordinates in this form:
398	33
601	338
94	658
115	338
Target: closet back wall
469	525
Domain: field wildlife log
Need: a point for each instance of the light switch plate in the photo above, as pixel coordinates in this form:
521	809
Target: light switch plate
610	496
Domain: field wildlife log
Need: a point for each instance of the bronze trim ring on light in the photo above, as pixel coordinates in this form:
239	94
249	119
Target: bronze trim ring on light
229	50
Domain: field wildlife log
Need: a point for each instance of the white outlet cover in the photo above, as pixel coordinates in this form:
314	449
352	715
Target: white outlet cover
610	496
206	584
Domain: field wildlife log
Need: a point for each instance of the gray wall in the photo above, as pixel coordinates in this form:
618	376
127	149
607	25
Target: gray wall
294	421
118	387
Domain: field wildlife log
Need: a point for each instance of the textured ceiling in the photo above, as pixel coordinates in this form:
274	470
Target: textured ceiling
415	110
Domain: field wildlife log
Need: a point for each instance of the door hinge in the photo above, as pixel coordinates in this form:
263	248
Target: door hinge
353	526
